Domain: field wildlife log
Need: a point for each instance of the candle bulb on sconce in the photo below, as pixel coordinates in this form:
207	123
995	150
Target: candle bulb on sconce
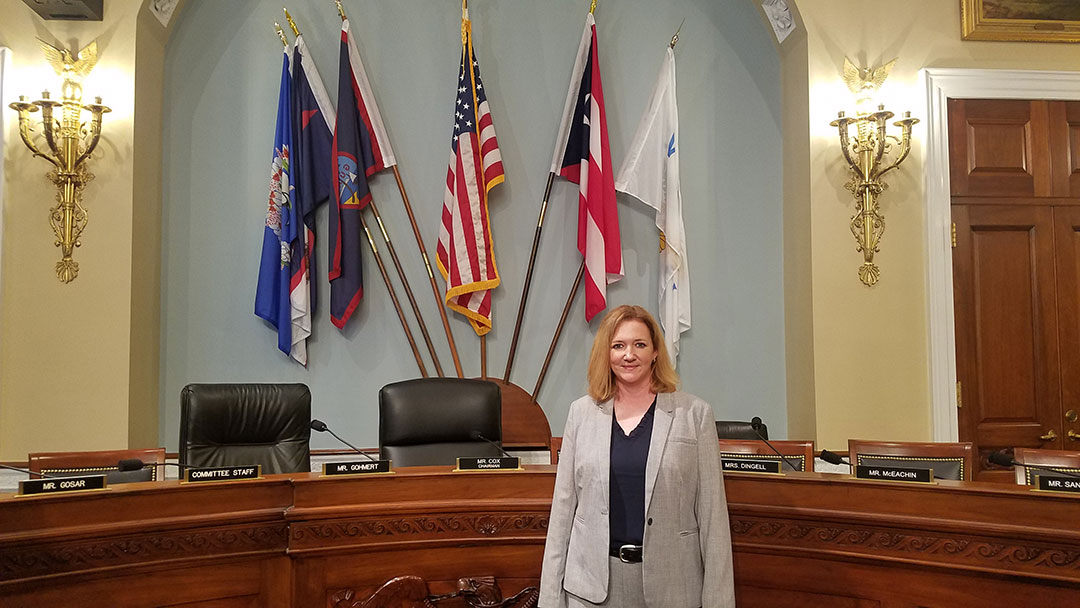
870	153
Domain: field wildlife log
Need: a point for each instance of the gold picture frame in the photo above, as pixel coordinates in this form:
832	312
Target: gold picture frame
1020	20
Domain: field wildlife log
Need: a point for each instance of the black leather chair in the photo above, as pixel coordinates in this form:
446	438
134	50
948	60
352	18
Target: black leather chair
433	421
737	429
239	424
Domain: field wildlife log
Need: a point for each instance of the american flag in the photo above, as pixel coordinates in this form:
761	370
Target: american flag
466	254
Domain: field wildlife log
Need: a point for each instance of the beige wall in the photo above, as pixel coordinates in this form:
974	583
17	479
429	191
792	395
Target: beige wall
80	359
870	353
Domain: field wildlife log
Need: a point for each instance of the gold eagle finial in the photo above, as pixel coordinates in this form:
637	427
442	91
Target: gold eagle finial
863	82
67	65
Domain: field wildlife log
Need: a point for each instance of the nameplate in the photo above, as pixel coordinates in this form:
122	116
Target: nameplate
761	464
1053	483
359	467
501	463
58	485
212	474
879	473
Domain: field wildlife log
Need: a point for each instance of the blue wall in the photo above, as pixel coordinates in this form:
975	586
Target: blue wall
222	70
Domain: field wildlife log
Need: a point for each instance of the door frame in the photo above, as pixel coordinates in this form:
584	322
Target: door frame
961	83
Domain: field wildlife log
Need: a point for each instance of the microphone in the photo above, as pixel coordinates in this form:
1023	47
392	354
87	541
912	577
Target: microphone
320	426
1003	459
477	435
833	458
134	464
29	472
755	425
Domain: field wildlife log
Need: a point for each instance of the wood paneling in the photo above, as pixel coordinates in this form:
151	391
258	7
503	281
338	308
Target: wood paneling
1006	327
803	539
999	148
1016	191
1067	240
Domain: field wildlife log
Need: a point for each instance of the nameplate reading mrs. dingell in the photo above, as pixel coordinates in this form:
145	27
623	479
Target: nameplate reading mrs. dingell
56	485
1053	483
359	467
210	474
878	473
501	463
735	464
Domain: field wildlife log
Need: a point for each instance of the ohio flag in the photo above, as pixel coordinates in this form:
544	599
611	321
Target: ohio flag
582	155
651	174
466	254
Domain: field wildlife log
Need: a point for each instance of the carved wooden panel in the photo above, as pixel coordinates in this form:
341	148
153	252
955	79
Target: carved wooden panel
1067	243
751	596
414	592
900	545
54	558
476	541
999	148
1005	301
1067	138
417	528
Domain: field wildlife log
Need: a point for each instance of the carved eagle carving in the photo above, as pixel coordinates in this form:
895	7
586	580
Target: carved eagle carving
864	81
68	65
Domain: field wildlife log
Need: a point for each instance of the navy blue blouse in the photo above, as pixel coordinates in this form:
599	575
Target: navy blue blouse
629	454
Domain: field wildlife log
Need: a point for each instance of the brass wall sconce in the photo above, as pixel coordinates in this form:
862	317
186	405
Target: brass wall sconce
69	141
870	153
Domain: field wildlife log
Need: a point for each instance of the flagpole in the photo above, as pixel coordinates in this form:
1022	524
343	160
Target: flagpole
408	289
466	32
427	264
559	328
393	296
528	279
431	275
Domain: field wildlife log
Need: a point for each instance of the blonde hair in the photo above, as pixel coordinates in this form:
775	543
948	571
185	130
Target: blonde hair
602	379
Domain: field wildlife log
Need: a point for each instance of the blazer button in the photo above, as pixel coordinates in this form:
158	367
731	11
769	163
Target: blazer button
649	522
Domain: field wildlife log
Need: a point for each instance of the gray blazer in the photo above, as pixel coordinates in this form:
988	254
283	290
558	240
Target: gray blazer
687	556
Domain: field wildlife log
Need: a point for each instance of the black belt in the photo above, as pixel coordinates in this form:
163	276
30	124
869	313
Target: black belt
630	554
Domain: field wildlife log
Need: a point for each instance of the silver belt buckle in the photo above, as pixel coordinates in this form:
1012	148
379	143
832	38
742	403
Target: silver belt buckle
622	556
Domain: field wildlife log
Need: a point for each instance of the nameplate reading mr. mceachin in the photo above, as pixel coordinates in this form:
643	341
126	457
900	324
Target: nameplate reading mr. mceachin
894	474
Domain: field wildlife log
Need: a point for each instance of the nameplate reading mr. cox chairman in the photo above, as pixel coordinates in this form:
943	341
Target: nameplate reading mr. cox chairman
210	474
501	463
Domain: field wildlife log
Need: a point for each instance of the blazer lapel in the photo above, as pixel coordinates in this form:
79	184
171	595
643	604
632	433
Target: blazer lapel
665	408
602	428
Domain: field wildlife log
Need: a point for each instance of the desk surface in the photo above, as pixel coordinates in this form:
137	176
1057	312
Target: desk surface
805	539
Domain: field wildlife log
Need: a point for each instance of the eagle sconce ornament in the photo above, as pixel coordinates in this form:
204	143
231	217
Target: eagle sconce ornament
67	143
870	154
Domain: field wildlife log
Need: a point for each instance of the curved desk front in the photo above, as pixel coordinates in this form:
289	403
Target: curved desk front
805	540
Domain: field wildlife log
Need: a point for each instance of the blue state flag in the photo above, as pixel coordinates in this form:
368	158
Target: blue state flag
272	296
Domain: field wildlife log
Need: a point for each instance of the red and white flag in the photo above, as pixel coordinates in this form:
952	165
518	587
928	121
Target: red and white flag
582	155
466	253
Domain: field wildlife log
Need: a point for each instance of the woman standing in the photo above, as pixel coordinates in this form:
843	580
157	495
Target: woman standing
639	518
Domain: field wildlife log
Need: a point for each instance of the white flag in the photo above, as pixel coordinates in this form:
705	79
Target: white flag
651	174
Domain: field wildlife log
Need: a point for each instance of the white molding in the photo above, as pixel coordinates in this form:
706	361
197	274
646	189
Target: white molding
941	85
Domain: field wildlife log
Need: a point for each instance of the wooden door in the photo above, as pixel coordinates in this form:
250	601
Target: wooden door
1067	247
1006	329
